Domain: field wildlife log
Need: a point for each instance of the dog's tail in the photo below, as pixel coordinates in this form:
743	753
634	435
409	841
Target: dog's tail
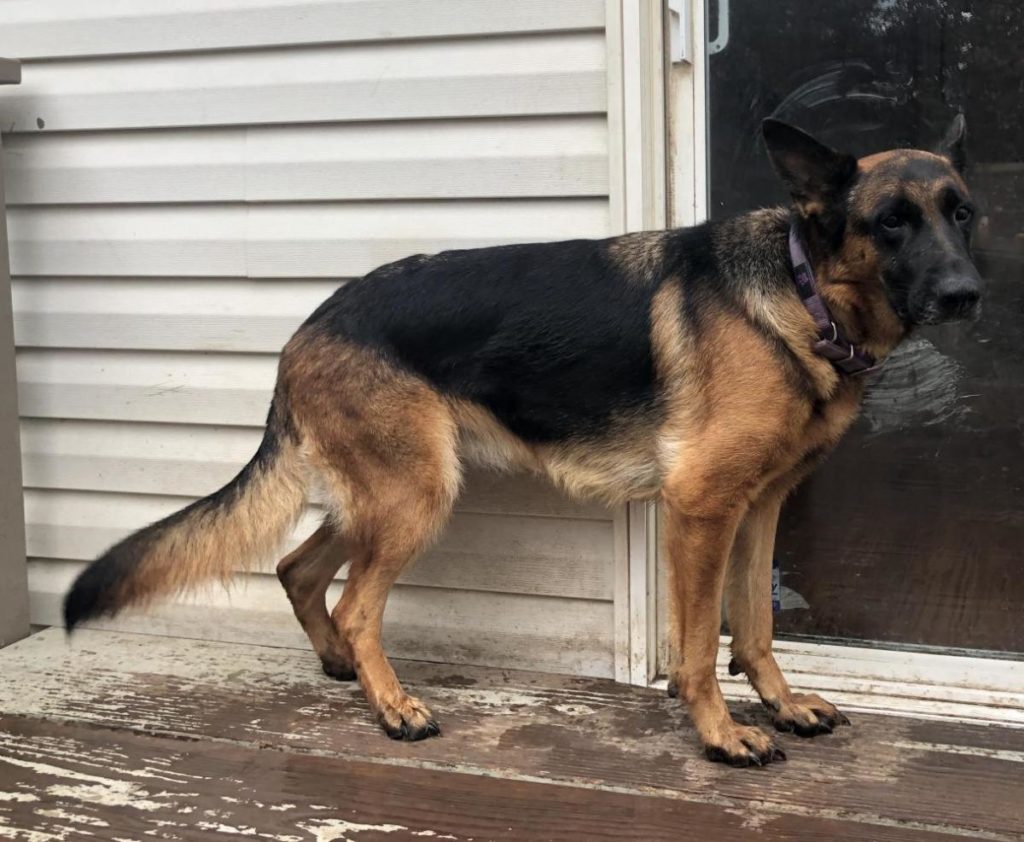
248	518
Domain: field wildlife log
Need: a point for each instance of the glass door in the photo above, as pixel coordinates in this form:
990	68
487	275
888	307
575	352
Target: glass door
912	533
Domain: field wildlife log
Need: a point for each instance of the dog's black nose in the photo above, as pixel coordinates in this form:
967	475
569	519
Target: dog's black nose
958	296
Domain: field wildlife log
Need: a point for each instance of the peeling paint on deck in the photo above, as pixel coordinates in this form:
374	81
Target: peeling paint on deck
134	737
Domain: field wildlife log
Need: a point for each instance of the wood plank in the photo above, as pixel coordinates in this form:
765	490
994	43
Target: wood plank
279	241
62	780
567	636
520	157
521	75
58	28
883	772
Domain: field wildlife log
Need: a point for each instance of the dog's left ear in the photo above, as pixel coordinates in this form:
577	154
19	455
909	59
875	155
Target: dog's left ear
952	146
815	174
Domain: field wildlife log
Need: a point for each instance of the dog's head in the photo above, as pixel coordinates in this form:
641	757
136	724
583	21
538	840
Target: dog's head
901	218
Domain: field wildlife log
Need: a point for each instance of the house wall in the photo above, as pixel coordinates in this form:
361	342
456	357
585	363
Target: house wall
187	180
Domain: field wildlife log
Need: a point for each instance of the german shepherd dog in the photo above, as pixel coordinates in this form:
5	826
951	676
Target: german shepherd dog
680	364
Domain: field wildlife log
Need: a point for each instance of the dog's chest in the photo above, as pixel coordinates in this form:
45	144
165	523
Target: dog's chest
828	422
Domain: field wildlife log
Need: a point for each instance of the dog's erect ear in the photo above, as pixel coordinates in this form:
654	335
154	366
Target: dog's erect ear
952	145
815	174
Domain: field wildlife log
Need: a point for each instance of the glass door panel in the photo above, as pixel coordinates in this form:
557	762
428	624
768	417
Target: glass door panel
913	532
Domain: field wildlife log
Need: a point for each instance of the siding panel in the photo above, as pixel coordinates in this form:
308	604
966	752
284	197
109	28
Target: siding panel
562	156
503	553
191	178
191	460
62	28
278	240
526	75
432	624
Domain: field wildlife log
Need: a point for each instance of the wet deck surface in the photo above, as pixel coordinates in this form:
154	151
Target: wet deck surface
129	737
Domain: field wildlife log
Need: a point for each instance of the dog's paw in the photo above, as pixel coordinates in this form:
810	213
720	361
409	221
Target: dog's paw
806	715
743	745
338	668
408	719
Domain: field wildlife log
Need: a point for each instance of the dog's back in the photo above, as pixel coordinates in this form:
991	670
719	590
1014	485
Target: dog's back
551	338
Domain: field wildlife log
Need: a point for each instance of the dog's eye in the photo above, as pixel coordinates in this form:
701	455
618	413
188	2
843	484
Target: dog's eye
963	214
892	222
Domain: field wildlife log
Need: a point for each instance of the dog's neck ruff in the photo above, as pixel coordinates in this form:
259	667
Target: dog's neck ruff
831	344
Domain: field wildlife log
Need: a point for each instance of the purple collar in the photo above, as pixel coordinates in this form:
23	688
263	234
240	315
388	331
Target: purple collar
831	343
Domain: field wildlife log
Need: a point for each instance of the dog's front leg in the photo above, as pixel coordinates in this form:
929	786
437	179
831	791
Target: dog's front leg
749	604
701	528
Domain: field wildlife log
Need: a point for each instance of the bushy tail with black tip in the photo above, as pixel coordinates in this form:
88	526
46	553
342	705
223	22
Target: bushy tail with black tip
209	540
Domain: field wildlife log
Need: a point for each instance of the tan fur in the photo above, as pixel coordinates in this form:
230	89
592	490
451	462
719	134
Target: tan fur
623	465
886	164
682	367
720	467
214	545
485	442
384	446
306	573
748	601
639	256
753	435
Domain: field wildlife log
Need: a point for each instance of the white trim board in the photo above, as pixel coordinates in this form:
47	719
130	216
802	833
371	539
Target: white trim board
637	181
919	684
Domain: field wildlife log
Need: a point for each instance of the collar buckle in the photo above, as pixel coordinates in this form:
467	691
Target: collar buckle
831	344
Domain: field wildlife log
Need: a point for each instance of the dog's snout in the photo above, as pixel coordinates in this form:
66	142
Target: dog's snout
958	296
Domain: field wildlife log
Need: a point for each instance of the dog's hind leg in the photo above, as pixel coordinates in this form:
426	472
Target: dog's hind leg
358	615
405	518
749	606
383	445
306	573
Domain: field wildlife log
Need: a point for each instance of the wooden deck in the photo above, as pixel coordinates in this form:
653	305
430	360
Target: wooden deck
131	737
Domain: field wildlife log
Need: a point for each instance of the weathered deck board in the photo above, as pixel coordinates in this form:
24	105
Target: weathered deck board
177	790
577	758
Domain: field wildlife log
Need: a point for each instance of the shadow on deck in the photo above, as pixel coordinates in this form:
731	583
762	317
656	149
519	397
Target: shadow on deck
133	737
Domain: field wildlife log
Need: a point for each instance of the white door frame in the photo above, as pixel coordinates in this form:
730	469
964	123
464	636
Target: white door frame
638	201
957	686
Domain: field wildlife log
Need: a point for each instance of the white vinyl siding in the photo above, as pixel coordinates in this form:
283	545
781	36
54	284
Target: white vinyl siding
188	179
